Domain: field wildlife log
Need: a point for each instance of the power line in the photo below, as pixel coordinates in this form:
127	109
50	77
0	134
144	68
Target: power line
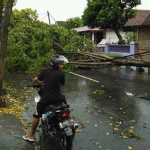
47	14
44	17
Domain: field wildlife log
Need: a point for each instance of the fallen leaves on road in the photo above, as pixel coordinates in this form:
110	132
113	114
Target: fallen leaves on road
78	130
99	92
115	130
129	148
98	144
14	103
130	133
82	123
95	125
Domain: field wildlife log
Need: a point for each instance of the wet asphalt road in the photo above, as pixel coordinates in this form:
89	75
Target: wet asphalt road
98	107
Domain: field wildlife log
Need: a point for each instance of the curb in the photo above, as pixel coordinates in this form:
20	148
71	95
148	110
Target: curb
138	69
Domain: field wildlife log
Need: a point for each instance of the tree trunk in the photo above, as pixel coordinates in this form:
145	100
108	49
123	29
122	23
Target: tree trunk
5	13
118	34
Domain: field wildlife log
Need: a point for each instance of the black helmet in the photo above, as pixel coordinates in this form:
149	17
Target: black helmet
57	59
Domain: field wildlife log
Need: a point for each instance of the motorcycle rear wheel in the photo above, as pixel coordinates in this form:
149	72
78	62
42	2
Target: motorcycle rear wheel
47	143
66	142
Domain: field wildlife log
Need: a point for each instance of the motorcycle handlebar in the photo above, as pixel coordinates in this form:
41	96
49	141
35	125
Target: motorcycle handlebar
34	85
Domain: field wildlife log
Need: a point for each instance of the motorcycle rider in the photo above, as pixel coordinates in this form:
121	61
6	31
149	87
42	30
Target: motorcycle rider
50	79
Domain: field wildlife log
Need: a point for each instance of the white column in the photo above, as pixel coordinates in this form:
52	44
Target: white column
93	37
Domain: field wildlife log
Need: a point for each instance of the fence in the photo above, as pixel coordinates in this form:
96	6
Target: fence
122	50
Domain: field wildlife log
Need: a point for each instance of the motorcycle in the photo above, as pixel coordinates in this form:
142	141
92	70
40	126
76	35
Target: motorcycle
55	122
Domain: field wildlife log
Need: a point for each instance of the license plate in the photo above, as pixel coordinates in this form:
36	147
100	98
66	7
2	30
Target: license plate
68	131
66	123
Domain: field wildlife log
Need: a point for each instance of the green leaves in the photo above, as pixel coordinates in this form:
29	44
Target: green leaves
109	13
73	23
32	42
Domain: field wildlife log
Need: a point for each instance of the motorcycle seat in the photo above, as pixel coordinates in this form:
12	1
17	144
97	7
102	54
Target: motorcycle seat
58	106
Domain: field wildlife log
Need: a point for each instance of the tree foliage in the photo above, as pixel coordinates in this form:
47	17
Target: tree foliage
32	42
109	13
73	23
131	36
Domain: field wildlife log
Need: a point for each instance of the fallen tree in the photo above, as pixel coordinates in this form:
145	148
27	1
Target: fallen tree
91	60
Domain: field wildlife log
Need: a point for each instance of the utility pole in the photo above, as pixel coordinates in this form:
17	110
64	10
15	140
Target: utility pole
48	17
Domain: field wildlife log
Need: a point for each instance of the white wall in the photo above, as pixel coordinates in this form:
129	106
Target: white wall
112	37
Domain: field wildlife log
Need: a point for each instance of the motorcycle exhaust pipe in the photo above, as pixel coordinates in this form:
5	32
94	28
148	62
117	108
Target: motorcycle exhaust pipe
76	125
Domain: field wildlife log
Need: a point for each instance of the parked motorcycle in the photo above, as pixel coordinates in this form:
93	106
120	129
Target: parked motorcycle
55	122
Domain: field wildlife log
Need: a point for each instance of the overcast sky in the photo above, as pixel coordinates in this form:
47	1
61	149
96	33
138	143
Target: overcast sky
61	10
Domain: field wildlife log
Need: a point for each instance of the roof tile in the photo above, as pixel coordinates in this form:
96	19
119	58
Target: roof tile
139	19
86	28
